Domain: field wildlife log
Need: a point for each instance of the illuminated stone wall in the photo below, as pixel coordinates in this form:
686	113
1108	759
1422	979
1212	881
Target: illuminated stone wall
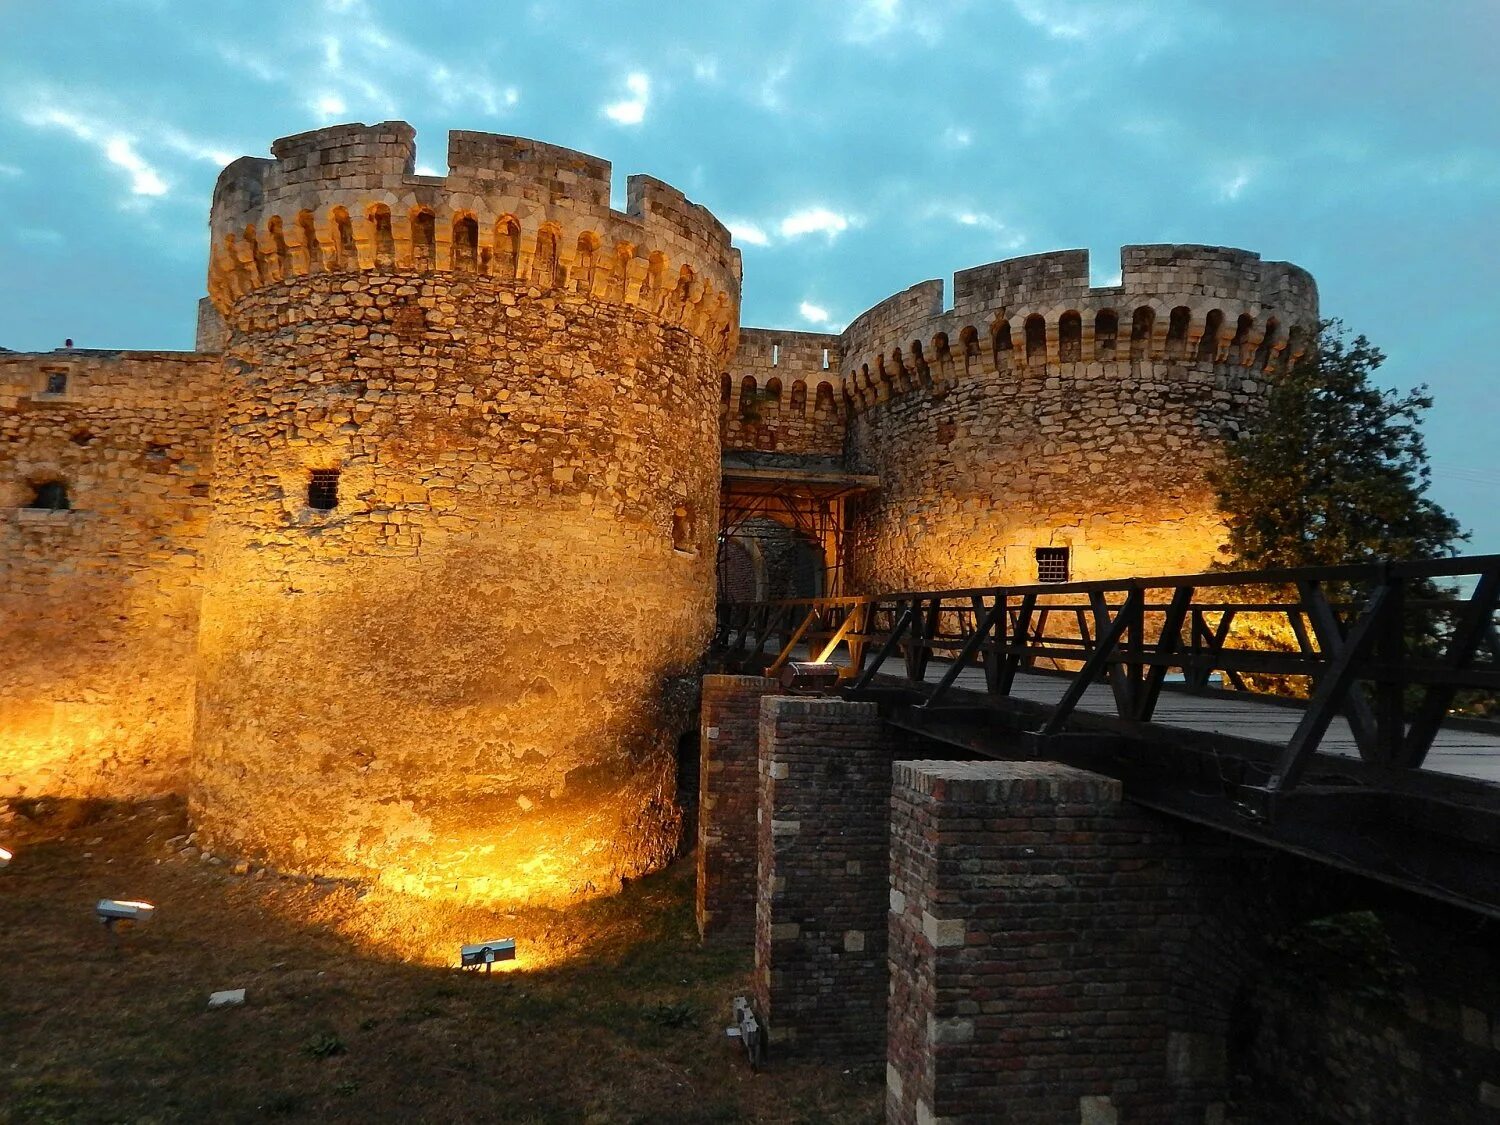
100	601
1041	412
782	394
453	678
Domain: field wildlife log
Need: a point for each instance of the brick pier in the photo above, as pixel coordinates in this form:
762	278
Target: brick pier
727	792
820	924
1038	925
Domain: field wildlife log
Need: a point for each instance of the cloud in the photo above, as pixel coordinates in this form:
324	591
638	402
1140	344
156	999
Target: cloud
631	110
195	149
116	146
9	171
1080	20
814	220
38	236
328	107
768	96
1230	183
813	314
706	69
253	65
1006	237
955	136
747	233
873	20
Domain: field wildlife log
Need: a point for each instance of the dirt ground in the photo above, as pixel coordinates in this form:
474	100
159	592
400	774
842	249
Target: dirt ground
614	1012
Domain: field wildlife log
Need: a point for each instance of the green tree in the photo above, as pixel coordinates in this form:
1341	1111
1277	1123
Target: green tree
1336	468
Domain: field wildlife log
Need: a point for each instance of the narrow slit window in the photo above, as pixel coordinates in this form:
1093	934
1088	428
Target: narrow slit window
1052	564
775	355
825	359
682	528
57	382
323	489
50	496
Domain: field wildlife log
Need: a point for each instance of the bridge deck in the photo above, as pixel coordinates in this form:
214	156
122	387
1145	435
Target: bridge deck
1459	752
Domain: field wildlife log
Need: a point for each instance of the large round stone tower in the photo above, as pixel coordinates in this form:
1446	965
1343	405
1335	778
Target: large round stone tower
1042	429
464	507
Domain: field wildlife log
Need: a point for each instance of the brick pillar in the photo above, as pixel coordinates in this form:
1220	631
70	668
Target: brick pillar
1038	927
821	904
727	793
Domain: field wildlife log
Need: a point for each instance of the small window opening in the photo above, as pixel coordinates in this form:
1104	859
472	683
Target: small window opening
57	382
825	359
775	355
1052	564
323	489
50	496
682	528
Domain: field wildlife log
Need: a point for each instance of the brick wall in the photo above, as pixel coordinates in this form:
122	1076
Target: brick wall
727	791
820	925
1039	927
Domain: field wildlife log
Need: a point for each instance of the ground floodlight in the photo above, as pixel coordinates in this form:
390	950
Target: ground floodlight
6	855
112	911
486	953
809	677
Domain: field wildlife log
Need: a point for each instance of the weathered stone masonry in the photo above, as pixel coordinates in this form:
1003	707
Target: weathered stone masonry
99	601
516	387
520	398
1041	412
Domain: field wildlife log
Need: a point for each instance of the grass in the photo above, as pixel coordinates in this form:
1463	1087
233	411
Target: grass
620	1020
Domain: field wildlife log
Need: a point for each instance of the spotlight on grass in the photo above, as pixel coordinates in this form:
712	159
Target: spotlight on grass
6	855
486	953
113	911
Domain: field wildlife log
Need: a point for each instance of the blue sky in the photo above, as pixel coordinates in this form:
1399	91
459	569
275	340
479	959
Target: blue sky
856	147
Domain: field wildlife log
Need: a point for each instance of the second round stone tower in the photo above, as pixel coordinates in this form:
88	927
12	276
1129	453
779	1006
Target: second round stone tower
464	507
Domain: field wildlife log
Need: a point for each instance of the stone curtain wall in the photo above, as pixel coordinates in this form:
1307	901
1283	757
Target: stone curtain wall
820	923
783	394
100	602
1056	955
727	792
452	680
1354	1052
1028	416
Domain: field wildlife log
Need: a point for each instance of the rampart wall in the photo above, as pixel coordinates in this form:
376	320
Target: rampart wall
1042	412
346	199
783	393
100	599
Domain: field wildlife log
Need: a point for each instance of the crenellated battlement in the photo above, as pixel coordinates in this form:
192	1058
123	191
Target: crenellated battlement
1174	303
347	199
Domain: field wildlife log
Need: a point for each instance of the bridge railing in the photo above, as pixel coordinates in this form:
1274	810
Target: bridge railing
1389	646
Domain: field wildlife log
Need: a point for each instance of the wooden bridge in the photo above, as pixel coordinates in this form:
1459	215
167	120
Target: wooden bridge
1326	711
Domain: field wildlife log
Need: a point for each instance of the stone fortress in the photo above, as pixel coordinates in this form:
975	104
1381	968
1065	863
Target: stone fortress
395	575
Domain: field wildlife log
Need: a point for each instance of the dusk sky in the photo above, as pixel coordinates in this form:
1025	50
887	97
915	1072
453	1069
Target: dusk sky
855	148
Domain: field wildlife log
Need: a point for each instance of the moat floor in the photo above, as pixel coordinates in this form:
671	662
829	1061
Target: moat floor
623	1022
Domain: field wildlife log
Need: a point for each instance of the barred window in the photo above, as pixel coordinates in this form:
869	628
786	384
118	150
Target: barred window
323	489
57	382
1052	564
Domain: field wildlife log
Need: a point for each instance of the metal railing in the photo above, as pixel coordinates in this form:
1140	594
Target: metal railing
1385	645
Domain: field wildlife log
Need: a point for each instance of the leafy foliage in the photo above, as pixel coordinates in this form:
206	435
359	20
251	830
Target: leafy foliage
1335	470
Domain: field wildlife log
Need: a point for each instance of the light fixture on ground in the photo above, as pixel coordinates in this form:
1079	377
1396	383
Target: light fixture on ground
809	677
6	855
486	953
114	911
